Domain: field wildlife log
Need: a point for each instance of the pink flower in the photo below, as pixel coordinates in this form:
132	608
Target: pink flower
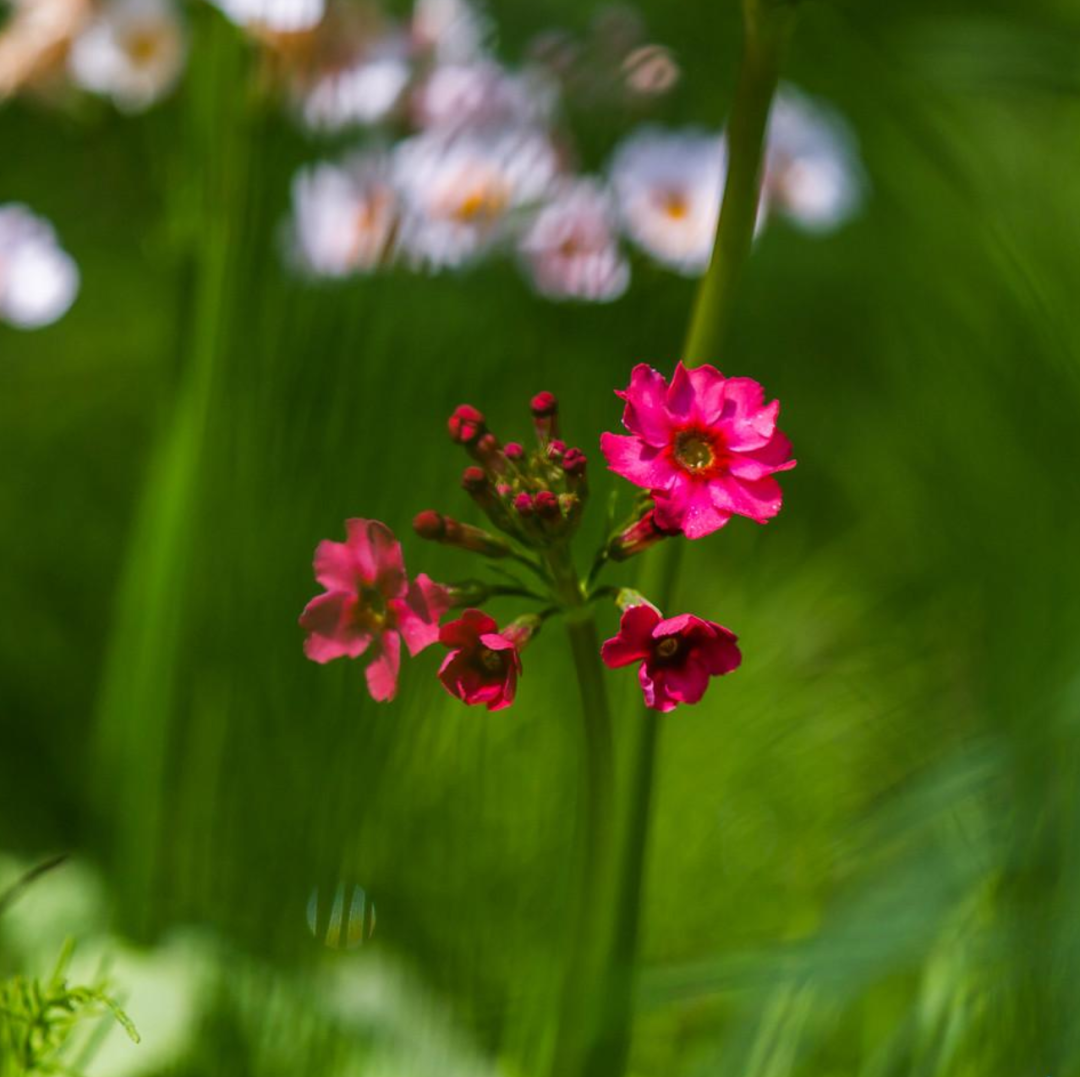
369	603
483	664
705	446
677	655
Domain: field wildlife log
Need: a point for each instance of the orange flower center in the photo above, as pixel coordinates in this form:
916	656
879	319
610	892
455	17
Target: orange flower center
482	202
675	205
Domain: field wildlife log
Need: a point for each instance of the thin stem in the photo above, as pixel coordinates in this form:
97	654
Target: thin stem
585	990
768	26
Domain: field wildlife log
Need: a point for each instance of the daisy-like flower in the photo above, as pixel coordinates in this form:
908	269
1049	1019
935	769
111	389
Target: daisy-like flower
360	92
705	446
38	279
668	185
676	657
132	52
344	216
481	93
571	249
369	604
812	174
461	190
274	16
483	664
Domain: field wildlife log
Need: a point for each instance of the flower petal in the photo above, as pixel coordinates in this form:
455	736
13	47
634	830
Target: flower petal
756	464
684	683
654	699
636	460
378	556
645	413
332	631
335	567
746	421
467	629
419	612
689	508
634	640
760	500
382	672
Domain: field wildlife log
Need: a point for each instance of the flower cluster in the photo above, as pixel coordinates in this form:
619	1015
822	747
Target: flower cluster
458	158
702	447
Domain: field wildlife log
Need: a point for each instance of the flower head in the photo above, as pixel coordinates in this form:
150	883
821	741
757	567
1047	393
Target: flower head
811	171
705	446
480	93
274	16
369	603
461	190
362	91
571	249
344	216
38	279
132	52
677	656
483	664
668	185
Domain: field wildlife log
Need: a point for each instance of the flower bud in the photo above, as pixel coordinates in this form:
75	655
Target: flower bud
489	452
468	593
513	450
450	532
573	462
637	537
523	503
466	425
547	506
555	450
545	409
521	630
628	597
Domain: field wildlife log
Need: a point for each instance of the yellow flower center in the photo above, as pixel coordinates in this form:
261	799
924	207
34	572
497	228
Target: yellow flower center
483	201
143	46
490	659
694	452
667	647
675	205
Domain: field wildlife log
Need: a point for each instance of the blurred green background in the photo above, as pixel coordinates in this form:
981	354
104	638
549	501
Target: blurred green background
865	856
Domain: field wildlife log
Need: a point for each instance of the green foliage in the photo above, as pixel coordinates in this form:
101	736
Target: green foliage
41	1022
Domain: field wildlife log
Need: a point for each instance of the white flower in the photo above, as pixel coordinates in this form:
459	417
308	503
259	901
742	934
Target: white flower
344	216
668	186
571	249
453	31
38	280
461	191
362	92
481	93
812	174
274	16
132	52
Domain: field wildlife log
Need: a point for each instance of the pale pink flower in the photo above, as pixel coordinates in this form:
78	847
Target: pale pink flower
571	249
460	191
812	173
132	52
362	91
481	93
369	604
483	664
677	656
705	446
344	216
668	186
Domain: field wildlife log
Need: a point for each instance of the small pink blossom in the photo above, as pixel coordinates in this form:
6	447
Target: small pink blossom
483	664
369	603
705	446
677	655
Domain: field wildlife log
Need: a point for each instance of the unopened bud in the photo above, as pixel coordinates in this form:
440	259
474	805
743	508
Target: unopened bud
521	630
466	593
474	481
524	504
450	532
547	505
514	450
489	452
637	537
628	598
466	425
555	450
545	409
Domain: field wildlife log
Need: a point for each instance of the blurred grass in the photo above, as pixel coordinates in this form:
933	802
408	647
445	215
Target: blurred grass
864	856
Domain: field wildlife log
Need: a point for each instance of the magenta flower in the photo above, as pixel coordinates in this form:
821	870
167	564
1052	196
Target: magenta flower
370	604
677	655
483	664
705	446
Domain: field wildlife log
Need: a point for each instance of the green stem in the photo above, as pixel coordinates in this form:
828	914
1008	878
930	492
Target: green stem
768	27
584	996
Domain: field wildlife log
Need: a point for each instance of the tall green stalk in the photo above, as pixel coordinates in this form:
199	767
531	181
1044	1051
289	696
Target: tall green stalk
768	25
